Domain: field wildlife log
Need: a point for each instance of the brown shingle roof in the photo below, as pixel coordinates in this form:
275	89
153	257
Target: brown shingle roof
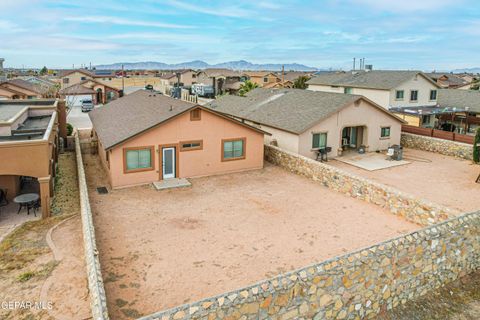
135	113
25	85
138	112
377	79
76	89
292	110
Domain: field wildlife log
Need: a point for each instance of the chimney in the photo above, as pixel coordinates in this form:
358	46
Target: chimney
354	64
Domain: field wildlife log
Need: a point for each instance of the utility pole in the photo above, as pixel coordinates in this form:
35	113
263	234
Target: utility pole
123	80
283	73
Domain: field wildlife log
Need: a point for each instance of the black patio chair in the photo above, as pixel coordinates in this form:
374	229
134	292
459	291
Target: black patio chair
3	198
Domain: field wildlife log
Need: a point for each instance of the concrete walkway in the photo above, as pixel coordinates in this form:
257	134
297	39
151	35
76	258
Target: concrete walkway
9	219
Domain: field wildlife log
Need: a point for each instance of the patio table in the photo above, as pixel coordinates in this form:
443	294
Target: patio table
28	201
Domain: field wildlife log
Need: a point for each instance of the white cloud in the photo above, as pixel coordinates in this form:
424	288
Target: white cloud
125	22
232	12
407	6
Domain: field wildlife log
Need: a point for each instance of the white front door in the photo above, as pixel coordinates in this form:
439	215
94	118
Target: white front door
168	163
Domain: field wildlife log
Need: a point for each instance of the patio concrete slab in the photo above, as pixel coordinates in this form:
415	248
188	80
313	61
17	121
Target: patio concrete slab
9	219
370	161
171	184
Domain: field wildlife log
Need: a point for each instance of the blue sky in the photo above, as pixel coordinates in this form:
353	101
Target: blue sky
397	34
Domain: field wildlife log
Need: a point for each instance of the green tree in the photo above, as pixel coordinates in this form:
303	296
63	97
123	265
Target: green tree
476	148
247	86
301	82
43	71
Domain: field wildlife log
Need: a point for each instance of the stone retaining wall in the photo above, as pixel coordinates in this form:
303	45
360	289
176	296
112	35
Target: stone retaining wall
357	285
98	301
445	147
413	209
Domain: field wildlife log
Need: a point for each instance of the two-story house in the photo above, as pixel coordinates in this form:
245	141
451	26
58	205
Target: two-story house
263	78
387	88
187	77
222	80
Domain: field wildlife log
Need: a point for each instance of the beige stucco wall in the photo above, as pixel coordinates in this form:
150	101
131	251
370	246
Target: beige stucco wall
381	97
191	163
74	78
7	94
362	115
259	80
419	83
411	120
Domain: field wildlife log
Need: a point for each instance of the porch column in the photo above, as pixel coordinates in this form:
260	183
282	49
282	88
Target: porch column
45	196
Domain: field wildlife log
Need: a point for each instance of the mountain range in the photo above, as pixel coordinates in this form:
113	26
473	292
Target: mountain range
467	70
198	64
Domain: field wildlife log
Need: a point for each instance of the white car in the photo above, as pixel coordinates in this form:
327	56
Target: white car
87	105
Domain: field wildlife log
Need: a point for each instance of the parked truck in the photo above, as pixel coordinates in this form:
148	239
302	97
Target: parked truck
203	90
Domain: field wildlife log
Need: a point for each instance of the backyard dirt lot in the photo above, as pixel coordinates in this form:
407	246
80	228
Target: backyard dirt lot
441	179
159	249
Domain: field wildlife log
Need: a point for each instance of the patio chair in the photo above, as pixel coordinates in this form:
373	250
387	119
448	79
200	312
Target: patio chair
3	198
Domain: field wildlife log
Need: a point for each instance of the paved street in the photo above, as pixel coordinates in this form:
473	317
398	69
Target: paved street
79	119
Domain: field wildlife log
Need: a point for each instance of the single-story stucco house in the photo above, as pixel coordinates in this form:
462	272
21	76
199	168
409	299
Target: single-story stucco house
146	137
304	121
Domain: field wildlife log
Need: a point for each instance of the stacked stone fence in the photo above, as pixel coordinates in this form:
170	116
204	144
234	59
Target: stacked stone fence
445	147
98	301
357	285
411	208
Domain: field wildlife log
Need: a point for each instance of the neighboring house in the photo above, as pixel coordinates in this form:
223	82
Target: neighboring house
223	80
146	137
294	75
304	121
279	85
72	77
386	88
187	78
263	78
29	146
447	80
457	110
20	89
97	91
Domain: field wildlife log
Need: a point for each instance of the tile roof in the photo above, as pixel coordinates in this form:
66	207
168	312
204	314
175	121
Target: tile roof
292	110
377	79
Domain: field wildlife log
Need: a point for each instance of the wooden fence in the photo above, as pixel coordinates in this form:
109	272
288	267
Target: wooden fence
440	134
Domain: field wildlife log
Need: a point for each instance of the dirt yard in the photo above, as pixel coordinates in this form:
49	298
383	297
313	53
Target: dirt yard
38	266
162	249
440	179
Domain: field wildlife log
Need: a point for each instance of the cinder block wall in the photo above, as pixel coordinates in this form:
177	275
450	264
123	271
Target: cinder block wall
445	147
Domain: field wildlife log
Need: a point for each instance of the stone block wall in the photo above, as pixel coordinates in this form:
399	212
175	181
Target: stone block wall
98	300
356	285
445	147
413	209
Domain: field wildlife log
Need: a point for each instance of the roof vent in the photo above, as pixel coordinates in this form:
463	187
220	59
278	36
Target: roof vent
171	108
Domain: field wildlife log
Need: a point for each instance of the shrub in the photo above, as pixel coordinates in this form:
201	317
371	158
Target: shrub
69	129
476	143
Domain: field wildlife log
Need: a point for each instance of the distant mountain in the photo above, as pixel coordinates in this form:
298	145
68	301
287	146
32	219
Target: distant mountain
198	64
467	70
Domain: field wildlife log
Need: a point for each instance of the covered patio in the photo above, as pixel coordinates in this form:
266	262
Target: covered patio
10	218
